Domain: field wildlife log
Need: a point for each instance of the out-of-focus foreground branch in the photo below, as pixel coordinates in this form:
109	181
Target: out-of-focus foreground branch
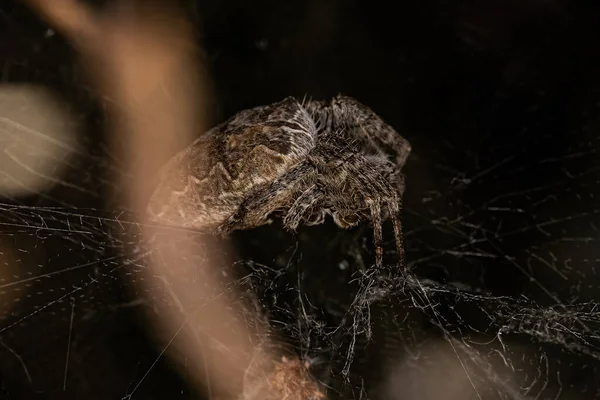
141	56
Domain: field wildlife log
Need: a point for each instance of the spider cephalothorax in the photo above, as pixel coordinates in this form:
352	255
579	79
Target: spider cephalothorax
301	160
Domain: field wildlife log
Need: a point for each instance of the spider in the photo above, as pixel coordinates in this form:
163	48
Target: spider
303	161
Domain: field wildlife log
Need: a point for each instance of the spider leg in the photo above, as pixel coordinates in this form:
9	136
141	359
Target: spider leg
301	208
393	203
365	182
256	207
395	208
362	122
375	208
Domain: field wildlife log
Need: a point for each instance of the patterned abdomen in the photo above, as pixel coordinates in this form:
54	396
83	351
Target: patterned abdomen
206	182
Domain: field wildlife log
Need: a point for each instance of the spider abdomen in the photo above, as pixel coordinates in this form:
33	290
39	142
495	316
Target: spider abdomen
206	182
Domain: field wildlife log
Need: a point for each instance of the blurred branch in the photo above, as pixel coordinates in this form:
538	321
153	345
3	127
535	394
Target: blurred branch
141	55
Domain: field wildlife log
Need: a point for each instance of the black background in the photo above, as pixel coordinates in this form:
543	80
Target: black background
499	100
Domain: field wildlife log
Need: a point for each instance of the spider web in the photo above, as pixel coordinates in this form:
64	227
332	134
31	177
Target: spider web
500	303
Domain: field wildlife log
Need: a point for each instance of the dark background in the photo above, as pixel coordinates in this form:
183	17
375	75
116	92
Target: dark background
499	100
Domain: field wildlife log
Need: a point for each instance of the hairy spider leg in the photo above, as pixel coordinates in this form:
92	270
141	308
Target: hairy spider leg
395	209
258	205
303	207
352	114
373	186
375	208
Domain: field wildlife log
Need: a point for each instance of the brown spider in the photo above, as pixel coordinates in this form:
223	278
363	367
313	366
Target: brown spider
302	161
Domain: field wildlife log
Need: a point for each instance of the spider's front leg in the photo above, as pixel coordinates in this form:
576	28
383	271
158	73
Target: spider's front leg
375	208
305	207
362	122
259	204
